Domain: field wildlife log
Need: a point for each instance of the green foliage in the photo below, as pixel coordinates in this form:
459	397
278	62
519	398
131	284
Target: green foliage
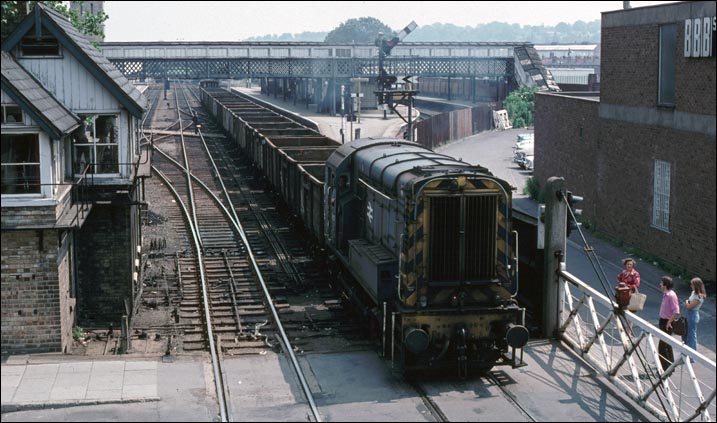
520	105
13	13
576	33
533	190
78	333
359	31
306	36
565	33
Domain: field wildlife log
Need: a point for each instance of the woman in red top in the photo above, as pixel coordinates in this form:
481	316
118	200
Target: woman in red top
629	275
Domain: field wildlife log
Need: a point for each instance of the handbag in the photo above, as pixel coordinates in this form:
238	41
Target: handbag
679	326
637	302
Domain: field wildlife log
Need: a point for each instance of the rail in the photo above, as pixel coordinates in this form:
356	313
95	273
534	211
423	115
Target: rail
282	336
595	329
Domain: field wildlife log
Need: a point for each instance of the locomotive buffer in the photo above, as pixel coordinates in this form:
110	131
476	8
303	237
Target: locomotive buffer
386	92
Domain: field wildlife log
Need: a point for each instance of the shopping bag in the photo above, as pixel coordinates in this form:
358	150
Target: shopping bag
637	301
679	326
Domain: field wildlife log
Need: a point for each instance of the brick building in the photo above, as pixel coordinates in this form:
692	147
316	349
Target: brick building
642	152
70	189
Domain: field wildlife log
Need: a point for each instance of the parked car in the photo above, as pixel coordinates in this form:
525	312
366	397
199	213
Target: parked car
520	153
527	162
525	137
524	140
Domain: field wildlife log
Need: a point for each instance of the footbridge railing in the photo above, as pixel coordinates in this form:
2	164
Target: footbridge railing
590	323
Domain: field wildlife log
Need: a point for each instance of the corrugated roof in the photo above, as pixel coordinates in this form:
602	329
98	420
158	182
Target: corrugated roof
566	47
571	75
101	61
51	115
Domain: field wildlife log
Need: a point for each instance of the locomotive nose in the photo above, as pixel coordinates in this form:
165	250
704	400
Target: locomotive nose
516	335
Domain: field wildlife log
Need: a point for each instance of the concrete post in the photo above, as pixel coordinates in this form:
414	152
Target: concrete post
555	220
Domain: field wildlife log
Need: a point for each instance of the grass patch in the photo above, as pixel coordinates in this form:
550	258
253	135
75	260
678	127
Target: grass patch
78	333
532	189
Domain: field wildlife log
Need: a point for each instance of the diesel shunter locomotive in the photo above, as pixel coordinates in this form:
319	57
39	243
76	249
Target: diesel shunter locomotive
426	236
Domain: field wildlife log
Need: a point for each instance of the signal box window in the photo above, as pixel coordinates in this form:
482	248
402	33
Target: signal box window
46	45
12	115
96	144
20	164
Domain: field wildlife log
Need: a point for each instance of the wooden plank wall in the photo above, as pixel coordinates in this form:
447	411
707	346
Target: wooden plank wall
448	127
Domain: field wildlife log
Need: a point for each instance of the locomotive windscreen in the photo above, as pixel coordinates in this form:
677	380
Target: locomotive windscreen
463	238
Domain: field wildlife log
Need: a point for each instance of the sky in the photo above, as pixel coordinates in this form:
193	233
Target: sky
238	20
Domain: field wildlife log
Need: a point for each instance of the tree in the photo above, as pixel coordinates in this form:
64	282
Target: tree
13	12
360	31
520	105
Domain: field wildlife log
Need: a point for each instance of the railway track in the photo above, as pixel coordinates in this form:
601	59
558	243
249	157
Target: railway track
231	281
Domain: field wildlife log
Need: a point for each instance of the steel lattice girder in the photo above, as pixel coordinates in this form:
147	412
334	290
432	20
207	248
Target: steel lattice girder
310	68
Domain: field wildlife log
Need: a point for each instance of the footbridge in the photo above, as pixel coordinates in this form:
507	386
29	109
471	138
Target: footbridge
313	71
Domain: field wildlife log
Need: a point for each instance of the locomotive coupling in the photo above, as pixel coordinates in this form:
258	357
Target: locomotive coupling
516	335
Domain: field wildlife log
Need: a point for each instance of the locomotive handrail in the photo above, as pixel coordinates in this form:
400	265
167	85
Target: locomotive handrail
598	331
375	191
517	261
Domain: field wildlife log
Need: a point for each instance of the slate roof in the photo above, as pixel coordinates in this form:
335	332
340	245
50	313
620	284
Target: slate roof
81	47
39	103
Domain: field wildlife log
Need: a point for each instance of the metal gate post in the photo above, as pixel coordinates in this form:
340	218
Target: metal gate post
555	243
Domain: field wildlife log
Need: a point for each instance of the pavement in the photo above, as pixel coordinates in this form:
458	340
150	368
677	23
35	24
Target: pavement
372	122
347	386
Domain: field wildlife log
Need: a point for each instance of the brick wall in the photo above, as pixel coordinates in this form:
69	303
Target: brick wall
615	170
28	216
567	145
104	265
626	193
630	70
613	166
630	65
32	315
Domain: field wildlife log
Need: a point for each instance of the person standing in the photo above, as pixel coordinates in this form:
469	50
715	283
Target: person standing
693	304
669	312
629	276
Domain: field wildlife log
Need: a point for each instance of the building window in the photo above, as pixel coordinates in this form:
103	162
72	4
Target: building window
96	144
668	46
45	45
12	114
20	164
661	196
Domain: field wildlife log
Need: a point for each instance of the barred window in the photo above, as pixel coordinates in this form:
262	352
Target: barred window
661	196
